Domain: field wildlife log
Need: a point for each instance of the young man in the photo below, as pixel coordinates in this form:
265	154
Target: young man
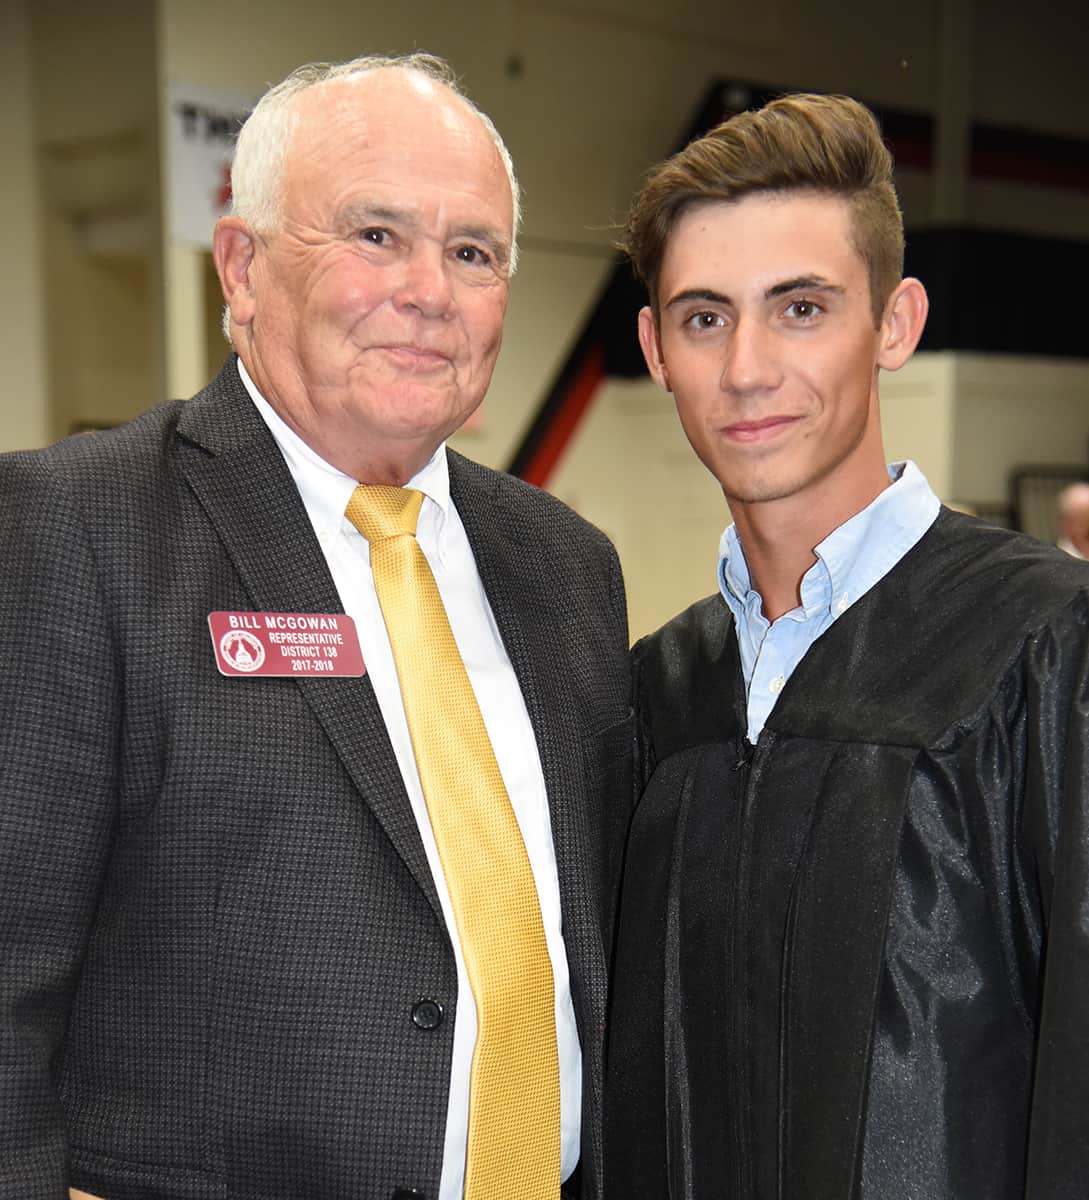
853	954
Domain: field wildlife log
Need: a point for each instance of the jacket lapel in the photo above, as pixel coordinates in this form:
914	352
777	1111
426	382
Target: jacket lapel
232	463
516	572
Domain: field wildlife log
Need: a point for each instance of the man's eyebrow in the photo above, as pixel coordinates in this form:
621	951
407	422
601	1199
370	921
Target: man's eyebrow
803	283
363	213
708	294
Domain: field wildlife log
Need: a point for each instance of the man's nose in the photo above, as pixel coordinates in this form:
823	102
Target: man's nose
424	283
752	358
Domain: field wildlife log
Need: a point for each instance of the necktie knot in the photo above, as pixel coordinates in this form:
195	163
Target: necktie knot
380	512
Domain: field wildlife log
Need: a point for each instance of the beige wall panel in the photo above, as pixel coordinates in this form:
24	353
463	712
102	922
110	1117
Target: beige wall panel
737	24
551	295
246	45
95	67
1030	65
917	405
1015	411
94	72
101	312
884	55
634	475
24	417
1029	208
599	98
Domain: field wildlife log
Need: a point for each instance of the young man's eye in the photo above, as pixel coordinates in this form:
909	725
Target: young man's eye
704	320
804	310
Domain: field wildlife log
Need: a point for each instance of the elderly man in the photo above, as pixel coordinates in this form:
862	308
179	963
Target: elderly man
315	733
1072	518
853	954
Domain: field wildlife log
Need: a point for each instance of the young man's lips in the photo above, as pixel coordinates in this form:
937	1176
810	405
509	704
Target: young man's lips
758	431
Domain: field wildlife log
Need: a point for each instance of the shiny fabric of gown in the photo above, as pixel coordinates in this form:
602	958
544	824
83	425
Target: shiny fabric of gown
853	960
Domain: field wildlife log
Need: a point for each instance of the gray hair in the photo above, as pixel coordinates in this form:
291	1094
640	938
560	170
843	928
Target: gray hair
258	168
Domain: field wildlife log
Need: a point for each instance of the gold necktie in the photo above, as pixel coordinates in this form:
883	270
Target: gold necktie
514	1099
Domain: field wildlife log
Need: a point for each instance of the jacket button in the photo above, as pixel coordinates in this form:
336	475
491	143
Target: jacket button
426	1014
407	1194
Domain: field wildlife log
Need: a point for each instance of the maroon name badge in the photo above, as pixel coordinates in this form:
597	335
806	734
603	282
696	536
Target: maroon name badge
299	644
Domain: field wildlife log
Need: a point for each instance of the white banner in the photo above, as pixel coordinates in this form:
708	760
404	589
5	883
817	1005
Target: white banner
204	124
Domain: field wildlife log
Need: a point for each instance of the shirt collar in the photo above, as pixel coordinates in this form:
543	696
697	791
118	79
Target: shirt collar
854	556
324	489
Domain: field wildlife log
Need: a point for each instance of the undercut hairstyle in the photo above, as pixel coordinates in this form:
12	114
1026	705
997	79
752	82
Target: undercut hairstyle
257	172
828	145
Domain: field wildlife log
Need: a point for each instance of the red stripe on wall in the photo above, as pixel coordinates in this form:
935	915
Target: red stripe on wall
566	417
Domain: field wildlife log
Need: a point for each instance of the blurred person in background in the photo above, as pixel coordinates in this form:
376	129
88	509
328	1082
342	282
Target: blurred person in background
1072	519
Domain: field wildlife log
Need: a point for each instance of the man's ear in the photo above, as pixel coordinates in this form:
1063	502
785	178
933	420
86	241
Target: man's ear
232	251
902	324
651	341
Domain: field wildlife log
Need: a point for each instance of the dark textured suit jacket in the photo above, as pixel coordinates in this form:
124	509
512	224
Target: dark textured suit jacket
216	915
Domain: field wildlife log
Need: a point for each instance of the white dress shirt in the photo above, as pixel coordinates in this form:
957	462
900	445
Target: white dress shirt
325	492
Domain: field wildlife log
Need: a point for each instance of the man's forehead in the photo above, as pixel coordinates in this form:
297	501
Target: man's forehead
788	207
380	100
390	135
764	236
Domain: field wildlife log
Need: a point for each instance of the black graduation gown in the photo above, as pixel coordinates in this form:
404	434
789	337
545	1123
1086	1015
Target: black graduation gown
853	960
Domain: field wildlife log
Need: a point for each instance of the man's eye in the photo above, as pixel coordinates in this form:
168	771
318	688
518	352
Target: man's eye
704	320
376	237
473	255
804	310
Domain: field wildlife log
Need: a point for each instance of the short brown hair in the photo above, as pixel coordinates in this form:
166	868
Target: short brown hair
801	142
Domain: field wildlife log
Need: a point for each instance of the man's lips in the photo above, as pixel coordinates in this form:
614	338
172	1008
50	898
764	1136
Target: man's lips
418	358
758	431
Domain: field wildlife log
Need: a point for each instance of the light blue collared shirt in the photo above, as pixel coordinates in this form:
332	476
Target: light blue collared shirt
850	561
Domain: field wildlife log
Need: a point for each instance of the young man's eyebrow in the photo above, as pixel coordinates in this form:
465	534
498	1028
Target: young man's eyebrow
708	294
811	283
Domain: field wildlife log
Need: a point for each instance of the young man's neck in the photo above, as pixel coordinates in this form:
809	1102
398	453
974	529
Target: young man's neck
779	537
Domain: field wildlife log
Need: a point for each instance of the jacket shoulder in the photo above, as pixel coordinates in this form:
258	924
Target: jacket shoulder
95	466
527	510
922	657
688	679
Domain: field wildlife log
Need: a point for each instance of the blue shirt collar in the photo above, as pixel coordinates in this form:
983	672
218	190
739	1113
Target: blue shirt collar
851	559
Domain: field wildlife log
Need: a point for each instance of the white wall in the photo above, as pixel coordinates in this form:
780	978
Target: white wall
918	405
24	415
1016	412
93	78
631	472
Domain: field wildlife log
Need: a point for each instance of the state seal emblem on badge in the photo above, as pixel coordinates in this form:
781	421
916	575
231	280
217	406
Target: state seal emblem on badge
242	650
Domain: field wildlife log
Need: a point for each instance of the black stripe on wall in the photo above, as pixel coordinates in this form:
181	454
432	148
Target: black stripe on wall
997	292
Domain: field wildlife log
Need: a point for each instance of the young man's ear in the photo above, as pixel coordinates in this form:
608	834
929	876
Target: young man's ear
232	251
902	324
650	340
